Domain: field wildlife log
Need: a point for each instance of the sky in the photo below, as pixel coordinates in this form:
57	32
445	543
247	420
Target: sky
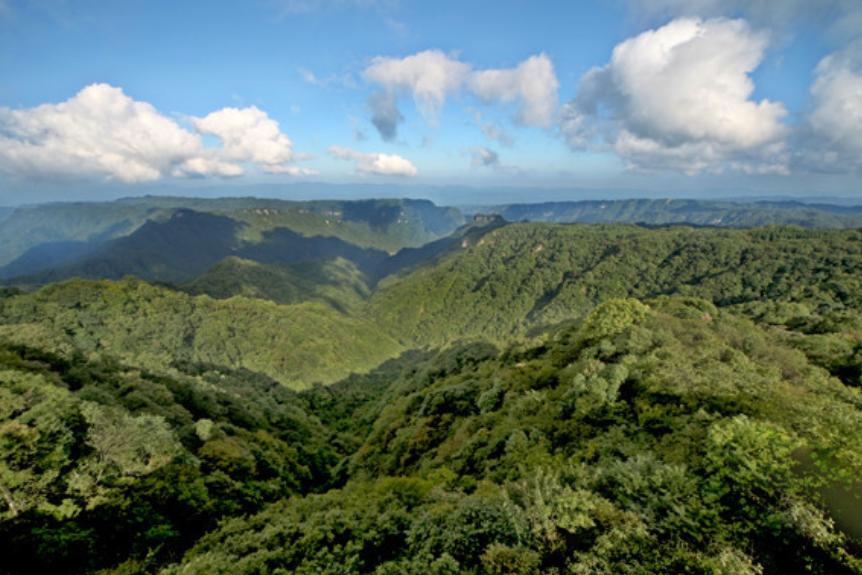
524	99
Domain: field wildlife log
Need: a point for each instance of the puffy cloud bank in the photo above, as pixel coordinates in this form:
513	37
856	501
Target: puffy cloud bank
102	132
679	97
431	76
375	163
832	138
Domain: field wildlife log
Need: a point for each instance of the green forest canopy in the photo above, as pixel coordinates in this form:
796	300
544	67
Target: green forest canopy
537	399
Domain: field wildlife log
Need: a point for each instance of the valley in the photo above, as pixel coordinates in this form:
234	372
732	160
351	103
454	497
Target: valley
215	392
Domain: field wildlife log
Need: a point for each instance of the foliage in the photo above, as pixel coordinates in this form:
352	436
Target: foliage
695	464
693	212
520	399
155	327
101	464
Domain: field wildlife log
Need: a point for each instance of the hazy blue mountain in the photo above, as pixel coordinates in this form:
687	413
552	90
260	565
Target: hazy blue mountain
189	243
5	212
694	212
45	238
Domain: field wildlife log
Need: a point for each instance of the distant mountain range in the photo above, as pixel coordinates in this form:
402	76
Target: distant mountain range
172	239
388	387
692	212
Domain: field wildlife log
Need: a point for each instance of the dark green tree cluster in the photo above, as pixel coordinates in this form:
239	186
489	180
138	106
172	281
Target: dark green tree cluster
658	437
526	399
102	465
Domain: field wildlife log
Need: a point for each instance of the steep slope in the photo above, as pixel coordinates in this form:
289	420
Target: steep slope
337	282
510	280
693	212
85	222
177	247
659	438
187	243
385	225
155	327
100	463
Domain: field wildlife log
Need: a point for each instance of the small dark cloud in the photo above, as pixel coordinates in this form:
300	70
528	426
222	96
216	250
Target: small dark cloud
385	114
485	158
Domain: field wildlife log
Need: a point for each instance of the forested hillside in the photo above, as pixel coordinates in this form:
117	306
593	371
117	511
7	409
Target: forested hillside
155	327
523	276
338	282
93	239
695	212
527	398
665	437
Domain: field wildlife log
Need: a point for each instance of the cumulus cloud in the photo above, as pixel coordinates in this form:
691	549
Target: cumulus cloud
832	137
431	76
101	132
484	158
375	163
678	98
428	76
533	83
842	16
385	114
249	135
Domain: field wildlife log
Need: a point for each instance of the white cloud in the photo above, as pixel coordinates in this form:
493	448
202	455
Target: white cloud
249	135
832	138
291	170
678	98
431	76
532	83
103	133
843	17
428	76
496	133
203	166
99	132
375	163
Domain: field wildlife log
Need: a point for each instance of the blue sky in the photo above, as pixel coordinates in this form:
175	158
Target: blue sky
655	97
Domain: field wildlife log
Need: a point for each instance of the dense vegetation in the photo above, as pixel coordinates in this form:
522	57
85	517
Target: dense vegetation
521	399
669	438
510	280
154	327
98	239
665	436
338	282
696	212
102	464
